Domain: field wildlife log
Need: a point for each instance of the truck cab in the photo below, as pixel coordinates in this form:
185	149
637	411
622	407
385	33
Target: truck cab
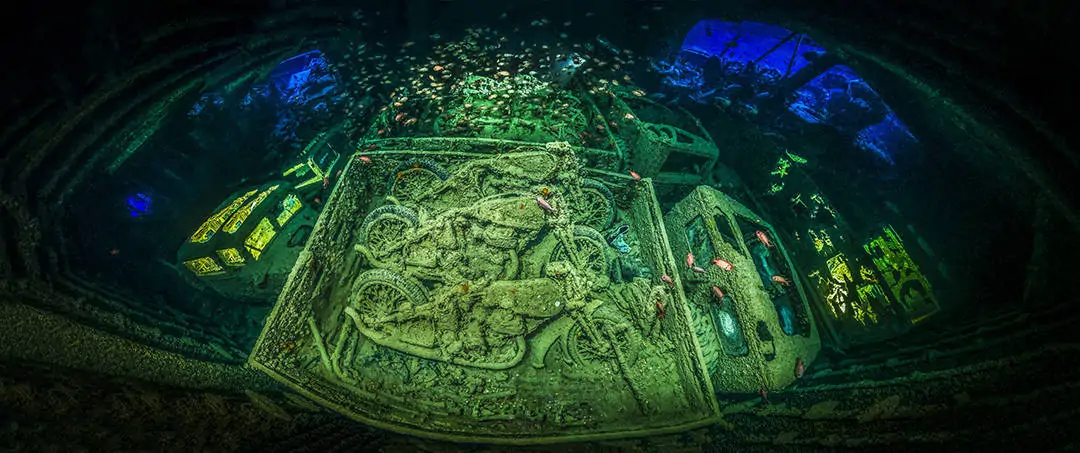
752	322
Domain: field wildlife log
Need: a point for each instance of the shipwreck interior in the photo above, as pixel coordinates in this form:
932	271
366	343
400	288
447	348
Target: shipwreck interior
539	226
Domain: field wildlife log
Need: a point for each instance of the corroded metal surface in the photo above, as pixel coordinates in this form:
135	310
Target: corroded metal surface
753	318
439	296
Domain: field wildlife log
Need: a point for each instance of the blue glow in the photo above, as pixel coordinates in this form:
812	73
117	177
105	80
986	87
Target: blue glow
740	44
299	80
840	98
304	78
307	83
751	60
748	61
680	74
138	205
257	91
207	100
887	138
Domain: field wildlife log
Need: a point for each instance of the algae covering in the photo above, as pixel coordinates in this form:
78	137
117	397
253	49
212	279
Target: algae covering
478	300
750	311
907	285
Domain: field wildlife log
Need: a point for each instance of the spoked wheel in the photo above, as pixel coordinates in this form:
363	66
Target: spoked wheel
414	177
591	249
610	329
379	293
384	229
498	353
596	209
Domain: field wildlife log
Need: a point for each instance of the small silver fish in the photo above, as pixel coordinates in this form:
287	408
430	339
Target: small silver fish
540	201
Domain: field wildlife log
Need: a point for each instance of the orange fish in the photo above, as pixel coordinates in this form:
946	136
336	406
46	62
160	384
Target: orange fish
317	200
668	280
723	264
719	294
364	159
799	368
325	182
690	260
764	238
633	174
399	116
781	280
114	252
660	313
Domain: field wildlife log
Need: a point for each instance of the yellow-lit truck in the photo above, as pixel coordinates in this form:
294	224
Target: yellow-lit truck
246	248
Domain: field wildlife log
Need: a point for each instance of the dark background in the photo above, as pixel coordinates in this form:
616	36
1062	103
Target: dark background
1010	65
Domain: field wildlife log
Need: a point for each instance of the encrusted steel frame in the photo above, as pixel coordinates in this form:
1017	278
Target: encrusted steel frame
292	346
